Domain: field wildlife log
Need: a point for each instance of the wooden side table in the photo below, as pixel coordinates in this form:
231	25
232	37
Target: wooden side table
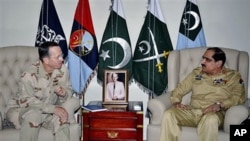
119	122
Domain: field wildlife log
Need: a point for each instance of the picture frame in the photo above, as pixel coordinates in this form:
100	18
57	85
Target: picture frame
115	87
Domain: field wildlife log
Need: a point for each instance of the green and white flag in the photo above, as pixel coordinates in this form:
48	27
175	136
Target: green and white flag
151	52
115	52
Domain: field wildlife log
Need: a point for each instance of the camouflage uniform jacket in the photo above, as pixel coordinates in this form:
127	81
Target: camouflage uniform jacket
36	88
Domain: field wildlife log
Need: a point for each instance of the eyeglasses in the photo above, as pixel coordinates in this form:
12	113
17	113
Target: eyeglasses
58	57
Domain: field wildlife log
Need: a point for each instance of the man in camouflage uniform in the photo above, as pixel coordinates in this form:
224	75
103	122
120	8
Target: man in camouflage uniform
44	87
214	90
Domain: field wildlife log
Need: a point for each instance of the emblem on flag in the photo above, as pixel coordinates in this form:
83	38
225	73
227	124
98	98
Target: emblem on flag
157	56
47	34
126	49
81	42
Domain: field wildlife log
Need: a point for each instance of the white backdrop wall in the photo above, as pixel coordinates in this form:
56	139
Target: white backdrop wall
225	22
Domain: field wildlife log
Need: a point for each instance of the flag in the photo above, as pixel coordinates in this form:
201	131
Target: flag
151	52
49	27
191	33
115	50
83	51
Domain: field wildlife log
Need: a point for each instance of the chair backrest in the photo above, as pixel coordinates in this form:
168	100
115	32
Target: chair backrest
13	61
182	62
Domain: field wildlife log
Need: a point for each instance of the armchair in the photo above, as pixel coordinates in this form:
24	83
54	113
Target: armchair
13	61
182	62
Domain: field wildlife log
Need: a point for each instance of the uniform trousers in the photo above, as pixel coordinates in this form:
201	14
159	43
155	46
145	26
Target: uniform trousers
207	124
33	119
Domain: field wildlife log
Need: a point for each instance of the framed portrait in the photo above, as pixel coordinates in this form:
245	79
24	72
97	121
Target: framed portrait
115	87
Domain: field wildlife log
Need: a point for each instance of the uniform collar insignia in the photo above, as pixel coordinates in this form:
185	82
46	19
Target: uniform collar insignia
198	77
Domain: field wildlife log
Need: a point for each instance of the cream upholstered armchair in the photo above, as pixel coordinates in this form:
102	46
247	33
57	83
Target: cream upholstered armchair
13	61
182	62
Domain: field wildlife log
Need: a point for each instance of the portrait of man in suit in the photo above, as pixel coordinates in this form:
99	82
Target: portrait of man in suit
115	87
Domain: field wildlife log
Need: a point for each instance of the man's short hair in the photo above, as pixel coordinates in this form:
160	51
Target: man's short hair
43	50
219	55
114	74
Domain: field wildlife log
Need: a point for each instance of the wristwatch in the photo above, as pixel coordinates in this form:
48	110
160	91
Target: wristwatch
218	103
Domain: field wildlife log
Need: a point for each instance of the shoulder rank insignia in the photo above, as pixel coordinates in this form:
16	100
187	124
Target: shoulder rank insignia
241	81
219	81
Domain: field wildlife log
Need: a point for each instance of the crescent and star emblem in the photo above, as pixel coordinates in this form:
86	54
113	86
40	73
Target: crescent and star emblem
157	56
196	17
81	42
126	49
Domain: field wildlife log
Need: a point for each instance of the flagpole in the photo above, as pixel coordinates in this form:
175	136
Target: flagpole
83	98
150	96
80	116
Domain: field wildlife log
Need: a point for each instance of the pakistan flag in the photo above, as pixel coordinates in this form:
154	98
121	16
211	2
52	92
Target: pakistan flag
115	51
151	52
